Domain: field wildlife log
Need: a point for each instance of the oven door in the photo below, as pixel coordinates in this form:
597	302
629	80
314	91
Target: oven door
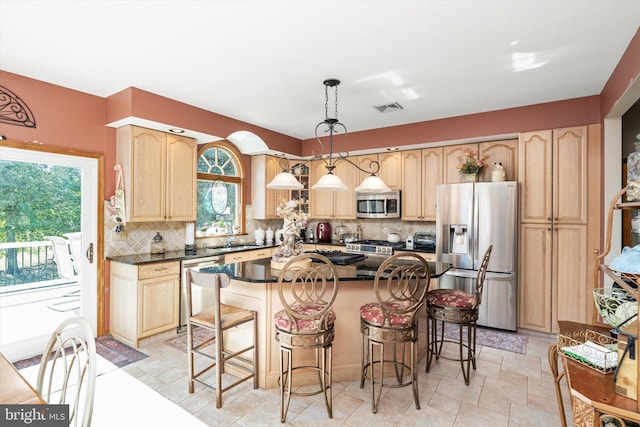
199	294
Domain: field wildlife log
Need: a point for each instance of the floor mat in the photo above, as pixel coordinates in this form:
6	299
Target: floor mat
200	335
114	351
503	340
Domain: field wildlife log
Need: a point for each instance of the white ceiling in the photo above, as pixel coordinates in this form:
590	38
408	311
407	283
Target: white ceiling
263	62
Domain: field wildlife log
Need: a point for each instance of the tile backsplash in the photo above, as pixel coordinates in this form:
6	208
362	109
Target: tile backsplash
136	238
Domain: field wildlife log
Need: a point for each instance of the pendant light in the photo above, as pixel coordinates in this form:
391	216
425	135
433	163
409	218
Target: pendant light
331	182
285	181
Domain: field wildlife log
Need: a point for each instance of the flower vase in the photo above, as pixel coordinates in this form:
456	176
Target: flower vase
633	173
291	245
470	177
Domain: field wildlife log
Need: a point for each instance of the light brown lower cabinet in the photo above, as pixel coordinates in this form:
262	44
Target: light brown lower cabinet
144	300
553	274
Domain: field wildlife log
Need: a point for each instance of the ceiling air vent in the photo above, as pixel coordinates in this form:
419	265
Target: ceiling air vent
387	108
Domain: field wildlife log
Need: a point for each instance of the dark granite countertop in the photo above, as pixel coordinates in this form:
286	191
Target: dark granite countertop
136	259
260	271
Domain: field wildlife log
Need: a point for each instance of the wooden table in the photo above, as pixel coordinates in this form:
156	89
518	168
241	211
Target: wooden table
592	393
15	389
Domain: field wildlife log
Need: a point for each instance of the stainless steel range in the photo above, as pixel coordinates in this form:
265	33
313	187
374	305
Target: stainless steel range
380	247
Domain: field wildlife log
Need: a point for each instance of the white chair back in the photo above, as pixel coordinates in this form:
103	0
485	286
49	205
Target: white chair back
67	372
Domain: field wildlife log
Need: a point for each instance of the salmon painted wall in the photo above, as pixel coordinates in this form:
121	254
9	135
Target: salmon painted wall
146	105
134	102
64	117
572	112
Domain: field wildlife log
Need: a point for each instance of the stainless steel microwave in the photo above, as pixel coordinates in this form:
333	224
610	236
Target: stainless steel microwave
378	205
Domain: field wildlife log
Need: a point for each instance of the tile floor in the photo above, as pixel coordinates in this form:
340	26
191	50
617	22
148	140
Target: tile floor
507	389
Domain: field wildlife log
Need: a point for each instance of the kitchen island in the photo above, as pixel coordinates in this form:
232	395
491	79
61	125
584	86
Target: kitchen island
254	286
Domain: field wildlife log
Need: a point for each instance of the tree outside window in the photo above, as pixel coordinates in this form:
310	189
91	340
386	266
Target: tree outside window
36	200
220	196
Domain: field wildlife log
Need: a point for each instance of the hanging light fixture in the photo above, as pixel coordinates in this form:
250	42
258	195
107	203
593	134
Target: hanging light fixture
331	182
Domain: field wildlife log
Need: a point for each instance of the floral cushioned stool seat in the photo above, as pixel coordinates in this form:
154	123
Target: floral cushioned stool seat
287	323
451	298
374	315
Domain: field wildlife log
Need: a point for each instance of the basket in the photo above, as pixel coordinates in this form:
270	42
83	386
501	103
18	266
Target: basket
590	348
615	305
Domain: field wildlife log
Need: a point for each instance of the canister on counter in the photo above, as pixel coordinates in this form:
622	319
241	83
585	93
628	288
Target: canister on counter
157	244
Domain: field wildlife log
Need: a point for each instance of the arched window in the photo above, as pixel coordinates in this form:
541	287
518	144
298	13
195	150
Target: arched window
220	197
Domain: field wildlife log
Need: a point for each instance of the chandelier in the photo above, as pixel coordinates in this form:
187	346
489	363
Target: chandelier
331	182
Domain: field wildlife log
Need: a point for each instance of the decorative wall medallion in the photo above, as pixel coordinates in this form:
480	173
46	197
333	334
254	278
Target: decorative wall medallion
14	111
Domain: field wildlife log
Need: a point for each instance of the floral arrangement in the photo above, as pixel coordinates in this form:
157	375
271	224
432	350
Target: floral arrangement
294	221
470	163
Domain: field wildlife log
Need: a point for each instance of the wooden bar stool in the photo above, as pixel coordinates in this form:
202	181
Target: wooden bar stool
218	317
400	285
307	286
461	308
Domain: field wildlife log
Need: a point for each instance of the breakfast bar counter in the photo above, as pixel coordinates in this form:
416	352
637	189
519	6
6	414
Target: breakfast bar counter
254	286
260	271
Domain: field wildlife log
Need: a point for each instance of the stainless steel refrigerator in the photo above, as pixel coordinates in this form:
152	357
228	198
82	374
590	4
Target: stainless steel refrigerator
469	218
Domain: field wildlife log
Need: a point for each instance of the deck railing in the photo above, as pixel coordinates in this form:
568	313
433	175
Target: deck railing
26	262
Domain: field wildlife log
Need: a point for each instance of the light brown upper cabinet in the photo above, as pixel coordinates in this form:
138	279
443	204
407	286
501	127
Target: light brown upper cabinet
451	157
390	169
363	161
159	174
333	204
553	168
422	171
264	201
505	152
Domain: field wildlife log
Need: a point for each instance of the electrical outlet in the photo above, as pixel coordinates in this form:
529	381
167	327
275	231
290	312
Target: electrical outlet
121	236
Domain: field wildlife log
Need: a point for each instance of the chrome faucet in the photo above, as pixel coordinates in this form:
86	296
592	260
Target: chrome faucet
230	239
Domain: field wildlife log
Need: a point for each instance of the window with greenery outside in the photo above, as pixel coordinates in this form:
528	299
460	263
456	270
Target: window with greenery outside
220	199
36	200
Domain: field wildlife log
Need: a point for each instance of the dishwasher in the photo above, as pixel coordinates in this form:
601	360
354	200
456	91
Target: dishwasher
212	262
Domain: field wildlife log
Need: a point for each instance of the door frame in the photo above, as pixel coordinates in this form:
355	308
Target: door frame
99	215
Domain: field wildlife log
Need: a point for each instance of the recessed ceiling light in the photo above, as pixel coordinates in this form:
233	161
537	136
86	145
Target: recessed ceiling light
176	130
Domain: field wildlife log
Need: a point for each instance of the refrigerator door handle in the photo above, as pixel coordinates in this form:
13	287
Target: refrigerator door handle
500	276
471	274
457	272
